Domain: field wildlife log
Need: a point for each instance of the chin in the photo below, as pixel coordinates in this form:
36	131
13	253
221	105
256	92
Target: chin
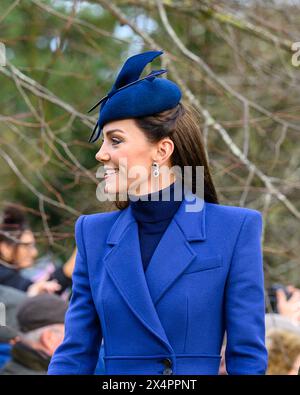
110	189
114	188
25	265
114	191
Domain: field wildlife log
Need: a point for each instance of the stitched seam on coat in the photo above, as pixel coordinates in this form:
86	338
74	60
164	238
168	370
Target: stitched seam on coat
187	323
88	276
81	233
236	242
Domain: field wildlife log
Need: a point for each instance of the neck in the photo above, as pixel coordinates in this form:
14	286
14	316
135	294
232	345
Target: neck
7	264
156	206
170	192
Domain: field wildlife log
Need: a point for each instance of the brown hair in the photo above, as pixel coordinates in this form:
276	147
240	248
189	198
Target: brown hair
12	226
181	125
283	350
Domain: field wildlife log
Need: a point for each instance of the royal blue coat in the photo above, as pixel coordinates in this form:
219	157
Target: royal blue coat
205	277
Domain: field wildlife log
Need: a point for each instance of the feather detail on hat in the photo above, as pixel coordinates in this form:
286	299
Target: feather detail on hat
128	78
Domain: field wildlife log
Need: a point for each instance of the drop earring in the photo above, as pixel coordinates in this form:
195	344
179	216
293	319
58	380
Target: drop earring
155	169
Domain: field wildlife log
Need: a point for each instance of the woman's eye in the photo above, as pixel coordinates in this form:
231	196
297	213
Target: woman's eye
115	141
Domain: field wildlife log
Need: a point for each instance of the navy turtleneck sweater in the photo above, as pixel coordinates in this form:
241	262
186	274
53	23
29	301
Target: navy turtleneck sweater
153	218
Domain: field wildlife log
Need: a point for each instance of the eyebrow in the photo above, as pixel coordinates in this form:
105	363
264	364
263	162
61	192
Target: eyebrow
113	130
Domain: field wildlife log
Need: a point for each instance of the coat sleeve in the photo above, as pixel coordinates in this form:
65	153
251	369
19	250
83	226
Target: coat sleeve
79	351
245	302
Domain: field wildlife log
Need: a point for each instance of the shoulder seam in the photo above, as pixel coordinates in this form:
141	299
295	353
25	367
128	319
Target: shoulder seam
237	238
82	238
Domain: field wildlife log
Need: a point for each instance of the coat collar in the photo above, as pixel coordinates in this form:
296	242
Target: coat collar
143	290
192	226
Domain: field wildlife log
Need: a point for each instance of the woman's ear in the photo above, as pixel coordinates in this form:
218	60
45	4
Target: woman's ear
165	149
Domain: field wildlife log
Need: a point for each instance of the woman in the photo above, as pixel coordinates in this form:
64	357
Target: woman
18	251
160	281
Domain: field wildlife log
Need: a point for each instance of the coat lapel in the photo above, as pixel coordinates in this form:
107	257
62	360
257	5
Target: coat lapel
141	291
174	254
124	265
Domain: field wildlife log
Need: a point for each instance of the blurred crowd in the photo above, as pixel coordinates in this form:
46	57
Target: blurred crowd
33	305
34	298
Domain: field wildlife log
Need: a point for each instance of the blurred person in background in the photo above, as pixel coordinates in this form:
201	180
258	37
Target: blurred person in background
288	304
222	368
284	352
284	308
10	299
18	251
283	331
40	330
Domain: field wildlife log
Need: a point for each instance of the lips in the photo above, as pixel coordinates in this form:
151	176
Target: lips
109	172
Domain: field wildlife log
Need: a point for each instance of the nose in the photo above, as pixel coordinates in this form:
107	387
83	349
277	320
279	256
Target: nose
102	155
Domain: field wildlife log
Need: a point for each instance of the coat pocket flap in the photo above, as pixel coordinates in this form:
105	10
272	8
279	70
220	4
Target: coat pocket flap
200	264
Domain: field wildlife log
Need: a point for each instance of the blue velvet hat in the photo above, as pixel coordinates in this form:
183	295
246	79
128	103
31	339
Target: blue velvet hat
131	97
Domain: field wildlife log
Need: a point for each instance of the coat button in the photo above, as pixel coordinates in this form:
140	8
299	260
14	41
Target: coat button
167	362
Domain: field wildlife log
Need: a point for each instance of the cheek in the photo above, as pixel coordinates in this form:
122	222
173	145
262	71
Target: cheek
133	161
23	257
19	256
139	158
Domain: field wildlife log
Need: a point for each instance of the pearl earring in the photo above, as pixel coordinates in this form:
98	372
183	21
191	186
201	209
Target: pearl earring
156	169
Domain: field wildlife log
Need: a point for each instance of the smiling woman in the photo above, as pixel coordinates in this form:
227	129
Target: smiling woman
132	147
125	151
160	280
